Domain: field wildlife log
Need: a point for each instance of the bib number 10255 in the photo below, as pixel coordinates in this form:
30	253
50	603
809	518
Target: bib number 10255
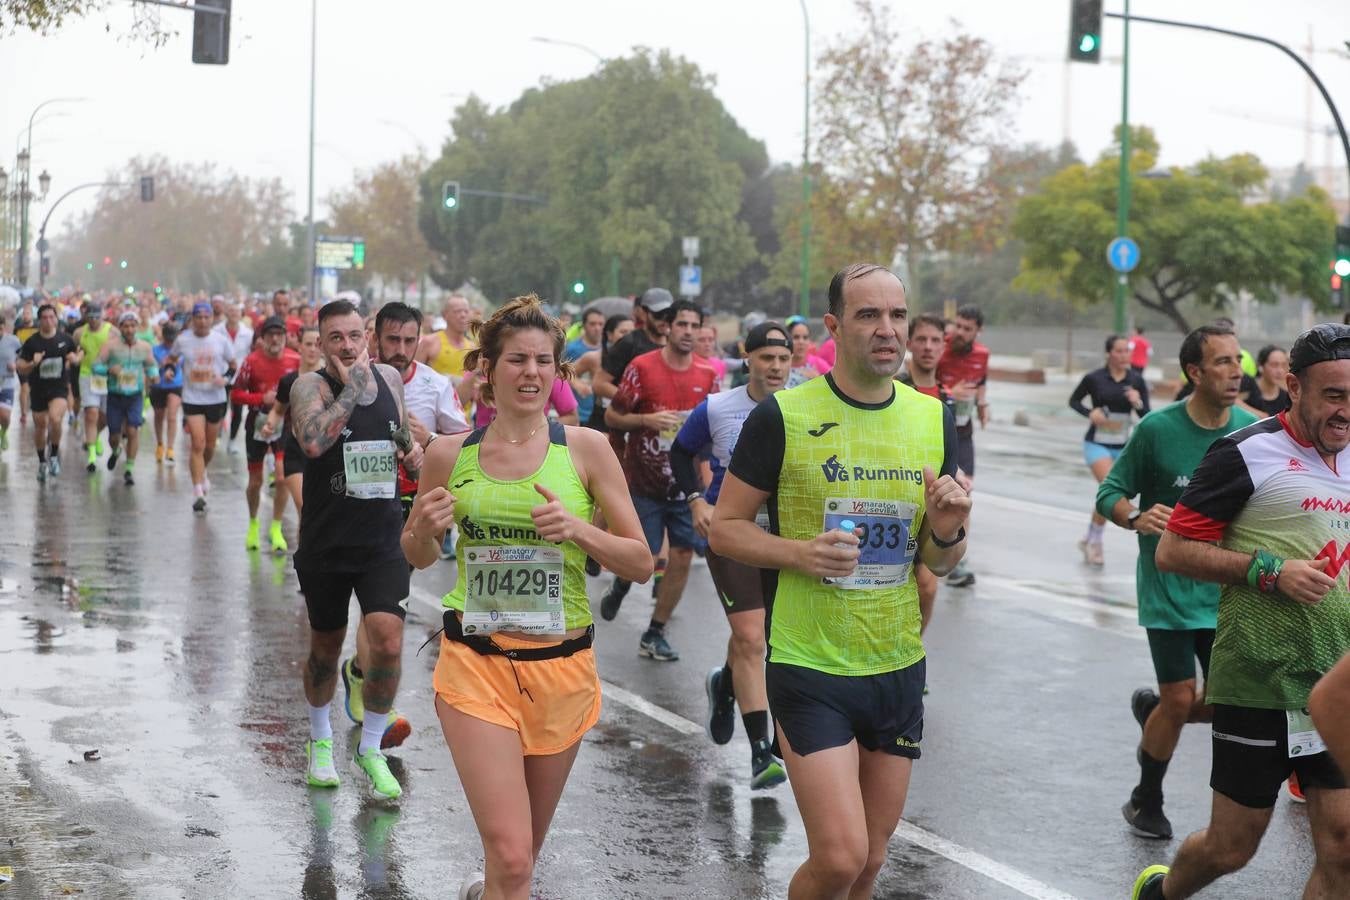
371	469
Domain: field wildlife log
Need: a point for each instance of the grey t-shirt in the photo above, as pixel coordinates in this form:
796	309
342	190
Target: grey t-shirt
9	352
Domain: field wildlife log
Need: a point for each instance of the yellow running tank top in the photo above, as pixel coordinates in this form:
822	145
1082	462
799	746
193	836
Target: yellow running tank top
865	470
450	359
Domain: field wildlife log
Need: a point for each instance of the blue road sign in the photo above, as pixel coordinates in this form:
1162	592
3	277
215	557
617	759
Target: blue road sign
1122	254
691	281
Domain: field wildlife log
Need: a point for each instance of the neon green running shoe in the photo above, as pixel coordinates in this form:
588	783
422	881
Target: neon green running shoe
4	438
1148	886
278	539
351	686
383	784
251	539
321	772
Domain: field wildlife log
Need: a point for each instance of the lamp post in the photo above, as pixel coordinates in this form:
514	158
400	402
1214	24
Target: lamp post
25	196
806	169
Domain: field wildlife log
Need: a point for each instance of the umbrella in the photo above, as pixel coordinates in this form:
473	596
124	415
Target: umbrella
610	306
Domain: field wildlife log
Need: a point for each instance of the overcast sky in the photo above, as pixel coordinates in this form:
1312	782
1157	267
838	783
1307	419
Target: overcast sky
389	74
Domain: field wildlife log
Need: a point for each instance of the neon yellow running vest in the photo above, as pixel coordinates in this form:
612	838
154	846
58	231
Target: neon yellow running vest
870	453
91	342
493	513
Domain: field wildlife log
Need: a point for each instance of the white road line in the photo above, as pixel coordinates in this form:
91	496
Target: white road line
962	856
978	862
1018	504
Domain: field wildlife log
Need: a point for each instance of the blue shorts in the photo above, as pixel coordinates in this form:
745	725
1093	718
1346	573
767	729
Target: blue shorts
125	409
659	517
6	397
1093	451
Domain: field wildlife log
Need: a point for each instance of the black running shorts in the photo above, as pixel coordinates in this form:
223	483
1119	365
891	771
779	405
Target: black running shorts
818	711
382	587
214	412
740	588
1251	757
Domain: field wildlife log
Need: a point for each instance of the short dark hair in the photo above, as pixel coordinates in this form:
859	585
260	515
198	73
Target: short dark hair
1193	347
927	318
971	312
399	313
1112	338
844	276
47	306
280	291
1264	354
336	308
593	311
680	306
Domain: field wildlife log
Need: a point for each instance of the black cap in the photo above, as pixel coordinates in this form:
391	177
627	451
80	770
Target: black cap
272	322
1321	343
758	338
656	299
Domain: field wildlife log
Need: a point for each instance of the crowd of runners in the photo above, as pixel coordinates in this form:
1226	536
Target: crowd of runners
826	478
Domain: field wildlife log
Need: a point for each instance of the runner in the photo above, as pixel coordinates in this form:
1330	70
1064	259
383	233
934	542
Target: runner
846	665
1118	395
525	489
1140	352
279	417
350	421
166	395
127	363
805	363
25	326
1179	613
1328	704
207	362
1272	371
9	379
44	358
658	390
964	371
588	341
713	428
706	349
92	390
1264	517
255	387
445	350
240	337
617	327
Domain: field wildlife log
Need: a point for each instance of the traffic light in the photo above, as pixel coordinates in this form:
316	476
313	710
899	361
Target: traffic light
450	195
578	287
122	264
1085	31
89	267
1340	265
147	188
107	260
211	32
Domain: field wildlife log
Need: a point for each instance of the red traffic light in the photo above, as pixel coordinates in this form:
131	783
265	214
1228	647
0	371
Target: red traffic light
107	260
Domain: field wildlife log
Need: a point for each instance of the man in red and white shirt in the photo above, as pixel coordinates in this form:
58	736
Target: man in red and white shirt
656	393
240	336
255	386
964	371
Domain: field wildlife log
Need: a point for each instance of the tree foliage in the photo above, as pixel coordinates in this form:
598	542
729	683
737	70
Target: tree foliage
43	16
626	162
909	143
1201	231
381	206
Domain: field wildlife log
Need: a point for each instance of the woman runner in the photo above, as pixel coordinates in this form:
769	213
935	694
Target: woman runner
1118	395
1272	371
522	492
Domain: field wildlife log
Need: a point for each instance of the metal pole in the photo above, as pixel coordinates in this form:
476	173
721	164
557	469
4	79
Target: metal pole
1123	205
311	276
806	169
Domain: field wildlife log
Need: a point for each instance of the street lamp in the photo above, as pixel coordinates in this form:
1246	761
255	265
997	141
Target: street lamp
573	44
44	184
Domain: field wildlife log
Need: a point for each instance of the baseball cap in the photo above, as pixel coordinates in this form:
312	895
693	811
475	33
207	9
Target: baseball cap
656	299
93	309
128	316
1321	343
203	308
272	322
761	336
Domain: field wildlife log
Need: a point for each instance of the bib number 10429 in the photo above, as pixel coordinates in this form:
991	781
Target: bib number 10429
513	589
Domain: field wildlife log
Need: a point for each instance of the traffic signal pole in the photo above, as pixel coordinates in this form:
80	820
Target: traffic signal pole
1123	203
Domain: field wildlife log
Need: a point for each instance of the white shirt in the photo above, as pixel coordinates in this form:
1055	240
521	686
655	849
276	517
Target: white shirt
242	340
200	359
431	397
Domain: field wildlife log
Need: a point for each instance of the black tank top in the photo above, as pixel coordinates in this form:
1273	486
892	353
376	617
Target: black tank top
344	533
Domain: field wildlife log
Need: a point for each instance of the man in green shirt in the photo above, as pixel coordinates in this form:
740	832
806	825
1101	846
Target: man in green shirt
1179	612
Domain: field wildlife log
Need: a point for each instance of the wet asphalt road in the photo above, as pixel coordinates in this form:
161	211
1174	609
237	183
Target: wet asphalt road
130	626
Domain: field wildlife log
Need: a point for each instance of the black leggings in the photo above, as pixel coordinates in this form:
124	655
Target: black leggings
236	419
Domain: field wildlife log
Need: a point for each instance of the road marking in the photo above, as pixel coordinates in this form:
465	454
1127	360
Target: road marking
651	710
978	862
1030	506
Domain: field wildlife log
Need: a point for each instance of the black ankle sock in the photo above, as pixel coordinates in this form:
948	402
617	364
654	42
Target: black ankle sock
356	669
1151	772
42	456
655	627
756	726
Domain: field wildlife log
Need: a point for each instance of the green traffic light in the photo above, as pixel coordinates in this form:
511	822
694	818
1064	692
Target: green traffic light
578	287
1087	43
89	266
1342	267
123	264
451	202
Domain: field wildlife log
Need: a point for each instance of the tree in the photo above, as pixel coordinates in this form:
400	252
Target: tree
382	208
1202	234
623	163
201	225
906	142
43	16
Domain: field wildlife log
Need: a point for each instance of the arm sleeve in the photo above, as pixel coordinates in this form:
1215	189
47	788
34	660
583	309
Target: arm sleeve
284	387
684	468
1218	490
1076	398
758	457
1123	479
948	442
241	393
1142	386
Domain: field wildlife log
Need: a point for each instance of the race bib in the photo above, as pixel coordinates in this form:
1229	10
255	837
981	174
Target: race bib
1116	431
51	368
1303	737
202	376
370	469
665	438
963	411
887	545
98	384
513	589
129	382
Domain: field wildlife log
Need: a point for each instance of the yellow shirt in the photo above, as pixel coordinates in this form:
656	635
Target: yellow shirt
450	359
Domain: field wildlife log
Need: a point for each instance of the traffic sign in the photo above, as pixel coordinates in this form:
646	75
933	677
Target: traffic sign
691	281
690	245
1122	254
339	252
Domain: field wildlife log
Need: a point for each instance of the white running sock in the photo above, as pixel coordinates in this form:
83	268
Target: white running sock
372	731
320	728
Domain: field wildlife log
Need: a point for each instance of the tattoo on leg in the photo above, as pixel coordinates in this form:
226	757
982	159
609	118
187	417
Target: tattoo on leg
319	672
381	684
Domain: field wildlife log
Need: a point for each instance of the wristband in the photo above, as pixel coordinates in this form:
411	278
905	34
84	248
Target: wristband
1264	570
947	545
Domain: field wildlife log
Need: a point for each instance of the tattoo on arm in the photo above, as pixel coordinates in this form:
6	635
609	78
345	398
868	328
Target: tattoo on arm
318	418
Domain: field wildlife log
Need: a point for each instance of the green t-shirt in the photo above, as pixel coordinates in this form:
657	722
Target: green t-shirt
1156	465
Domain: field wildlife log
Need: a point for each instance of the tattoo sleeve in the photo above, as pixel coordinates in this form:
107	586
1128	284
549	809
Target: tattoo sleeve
318	418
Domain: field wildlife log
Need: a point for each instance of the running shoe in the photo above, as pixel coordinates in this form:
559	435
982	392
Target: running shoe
199	505
112	459
54	466
1092	553
231	448
473	887
383	784
1142	703
251	538
159	453
655	646
4	440
396	730
961	576
1146	817
278	539
765	771
320	771
1148	886
98	447
613	599
592	567
127	479
1295	792
168	455
42	472
721	724
351	685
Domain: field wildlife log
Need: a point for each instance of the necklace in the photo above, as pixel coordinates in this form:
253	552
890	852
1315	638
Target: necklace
520	440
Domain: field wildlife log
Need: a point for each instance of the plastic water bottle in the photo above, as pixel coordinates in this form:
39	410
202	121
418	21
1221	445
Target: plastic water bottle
846	525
